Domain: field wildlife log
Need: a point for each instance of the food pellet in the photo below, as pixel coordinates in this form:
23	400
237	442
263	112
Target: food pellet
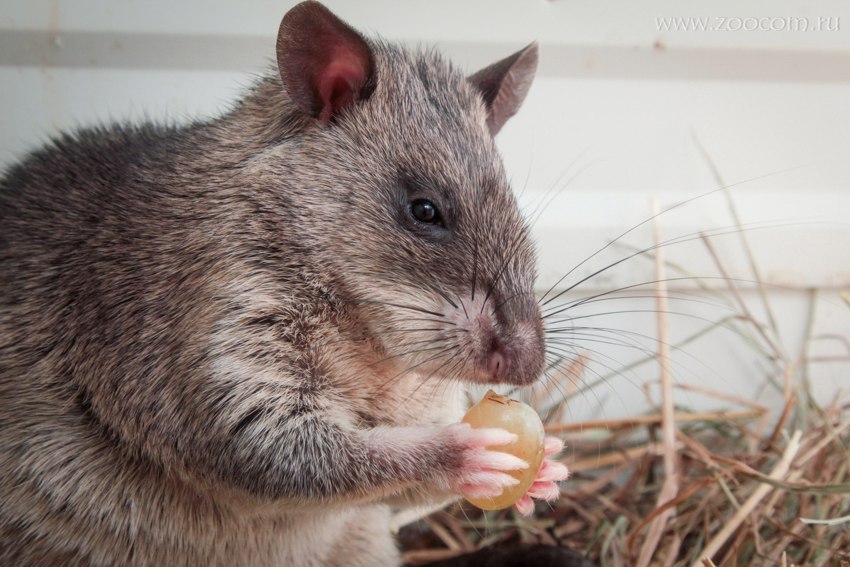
495	410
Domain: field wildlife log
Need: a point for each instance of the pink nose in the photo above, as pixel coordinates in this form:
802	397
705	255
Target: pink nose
496	364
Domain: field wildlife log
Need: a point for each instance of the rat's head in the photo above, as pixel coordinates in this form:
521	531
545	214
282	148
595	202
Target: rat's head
408	204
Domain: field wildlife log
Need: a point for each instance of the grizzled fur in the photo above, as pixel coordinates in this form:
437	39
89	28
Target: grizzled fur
208	353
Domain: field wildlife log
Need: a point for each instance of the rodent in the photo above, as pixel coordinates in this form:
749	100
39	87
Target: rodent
239	341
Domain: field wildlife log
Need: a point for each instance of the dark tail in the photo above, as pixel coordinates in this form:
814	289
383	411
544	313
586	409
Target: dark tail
517	556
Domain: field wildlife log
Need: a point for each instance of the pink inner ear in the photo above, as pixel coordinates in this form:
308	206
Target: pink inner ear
340	82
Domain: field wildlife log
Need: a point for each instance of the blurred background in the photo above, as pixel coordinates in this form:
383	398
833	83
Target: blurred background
635	103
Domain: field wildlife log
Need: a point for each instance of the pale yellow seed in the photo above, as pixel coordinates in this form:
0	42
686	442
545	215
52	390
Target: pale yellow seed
511	415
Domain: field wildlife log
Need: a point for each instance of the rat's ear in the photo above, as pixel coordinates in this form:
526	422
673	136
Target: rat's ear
325	65
504	84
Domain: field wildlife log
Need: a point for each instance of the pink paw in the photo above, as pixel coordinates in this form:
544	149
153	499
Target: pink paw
551	472
483	473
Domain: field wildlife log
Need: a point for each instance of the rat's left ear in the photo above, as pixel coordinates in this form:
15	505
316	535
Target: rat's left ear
504	84
324	64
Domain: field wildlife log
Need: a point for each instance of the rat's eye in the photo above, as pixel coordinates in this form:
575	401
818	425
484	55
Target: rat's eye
424	210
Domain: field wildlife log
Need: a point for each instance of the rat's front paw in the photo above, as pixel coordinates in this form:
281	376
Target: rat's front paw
545	485
479	472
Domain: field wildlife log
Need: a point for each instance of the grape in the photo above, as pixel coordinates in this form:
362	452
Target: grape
499	411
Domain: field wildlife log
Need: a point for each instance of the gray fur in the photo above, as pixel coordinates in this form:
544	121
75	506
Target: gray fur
204	330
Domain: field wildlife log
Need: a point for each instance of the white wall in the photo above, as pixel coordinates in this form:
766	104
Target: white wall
614	120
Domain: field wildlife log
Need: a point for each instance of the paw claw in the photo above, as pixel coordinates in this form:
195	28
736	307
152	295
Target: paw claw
501	461
483	437
552	446
548	491
525	506
552	471
492	479
479	491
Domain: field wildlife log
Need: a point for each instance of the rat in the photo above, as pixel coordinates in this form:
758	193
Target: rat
242	341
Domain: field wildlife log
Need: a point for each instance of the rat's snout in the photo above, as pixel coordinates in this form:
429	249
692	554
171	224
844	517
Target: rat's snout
516	353
496	363
517	356
505	345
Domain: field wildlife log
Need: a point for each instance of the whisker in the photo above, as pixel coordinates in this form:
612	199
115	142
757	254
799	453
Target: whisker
504	265
545	203
442	294
663	211
563	354
624	311
512	296
474	265
389	304
449	364
438	321
415	366
464	308
409	352
581	301
555	389
672	295
604	379
690	237
599	333
367	335
558	187
414	330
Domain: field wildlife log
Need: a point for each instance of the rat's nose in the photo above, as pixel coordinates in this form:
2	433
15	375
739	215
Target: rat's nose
496	364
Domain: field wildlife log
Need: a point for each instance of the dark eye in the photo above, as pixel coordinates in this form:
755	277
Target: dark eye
424	210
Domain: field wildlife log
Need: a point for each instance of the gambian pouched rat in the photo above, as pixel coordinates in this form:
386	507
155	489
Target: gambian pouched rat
237	342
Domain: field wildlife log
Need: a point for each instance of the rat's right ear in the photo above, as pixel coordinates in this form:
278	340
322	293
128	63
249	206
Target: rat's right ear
324	64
